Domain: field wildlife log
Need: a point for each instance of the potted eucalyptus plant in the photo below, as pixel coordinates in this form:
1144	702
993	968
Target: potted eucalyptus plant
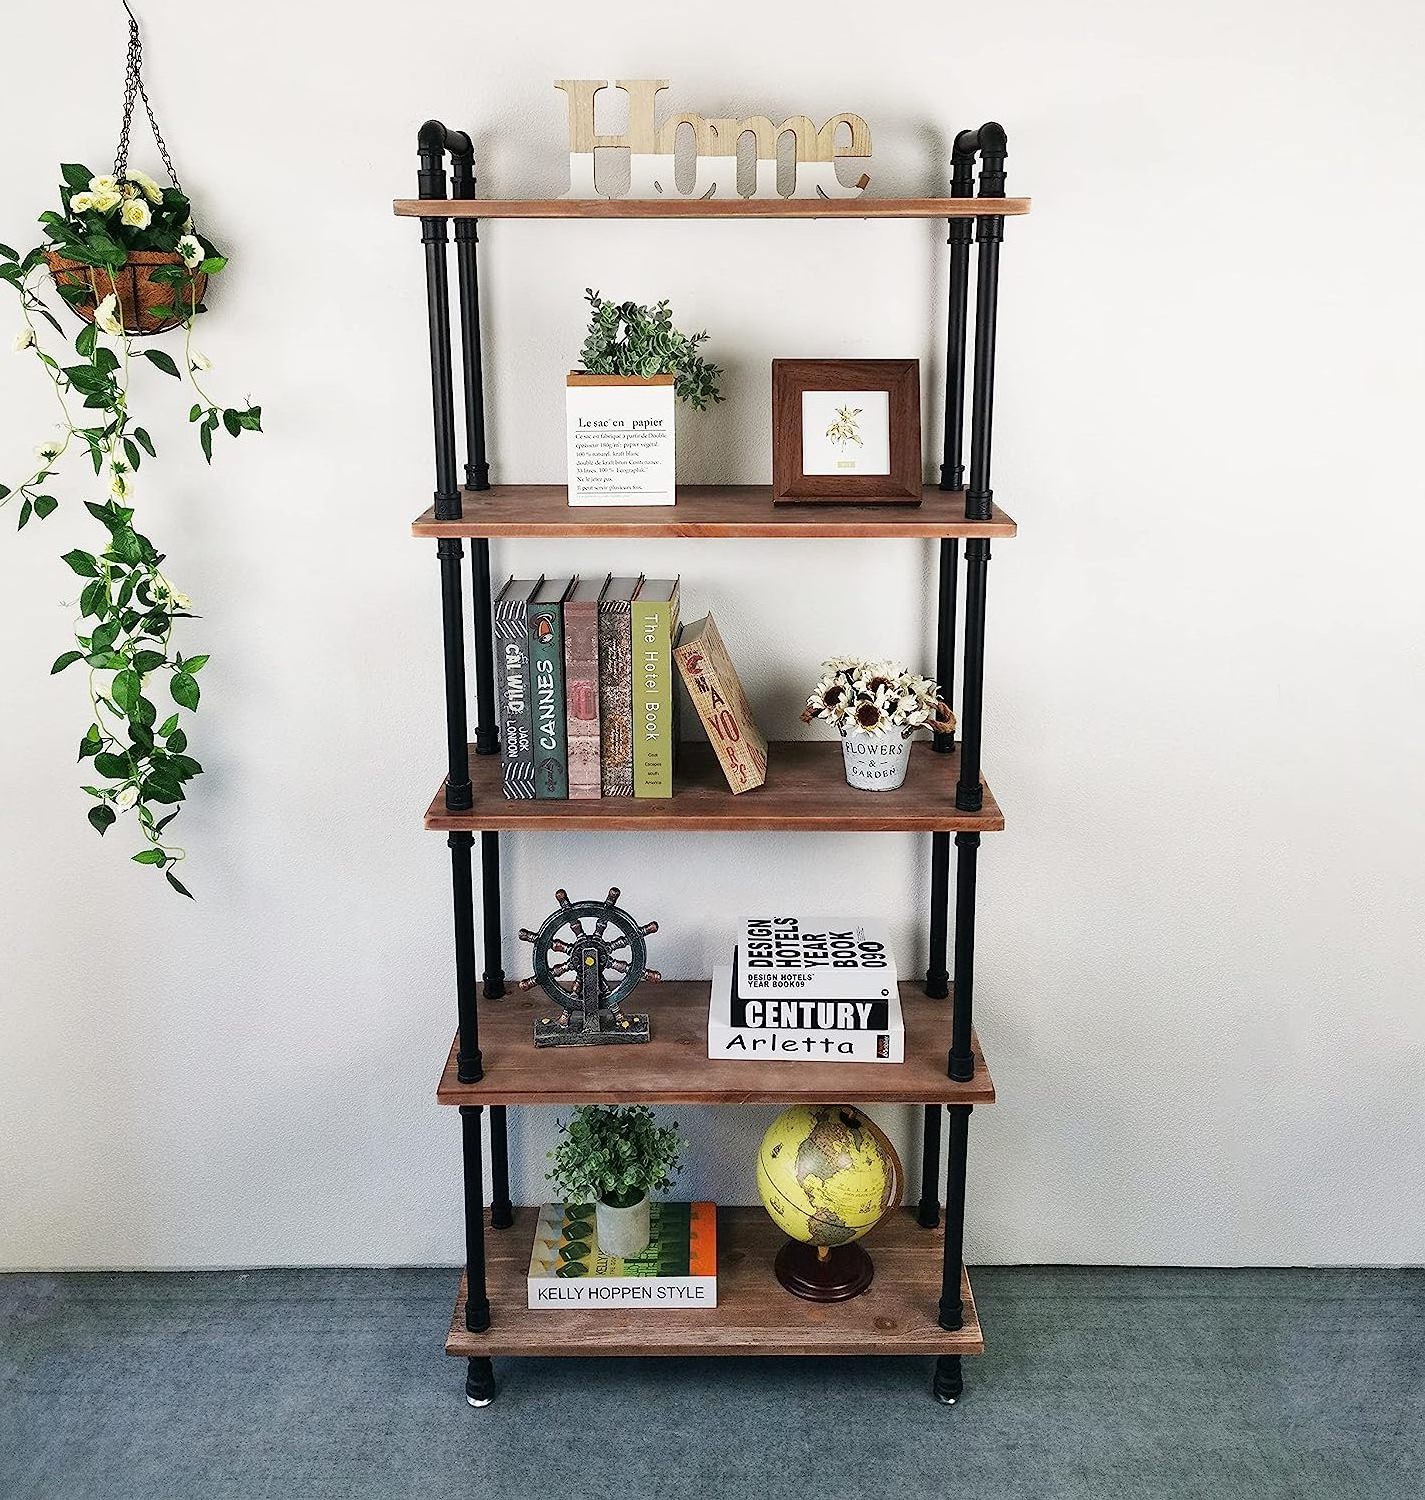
635	365
614	1156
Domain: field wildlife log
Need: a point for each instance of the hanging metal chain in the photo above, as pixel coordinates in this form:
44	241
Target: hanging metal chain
134	88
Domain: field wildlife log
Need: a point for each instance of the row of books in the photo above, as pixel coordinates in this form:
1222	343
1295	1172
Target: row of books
573	686
807	991
588	702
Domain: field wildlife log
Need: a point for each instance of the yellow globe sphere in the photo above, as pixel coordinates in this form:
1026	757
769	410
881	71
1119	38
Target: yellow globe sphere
826	1174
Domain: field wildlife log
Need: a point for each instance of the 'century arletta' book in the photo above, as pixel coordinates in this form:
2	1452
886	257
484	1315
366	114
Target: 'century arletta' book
797	1043
814	959
616	687
716	694
581	685
546	670
679	1268
512	675
654	620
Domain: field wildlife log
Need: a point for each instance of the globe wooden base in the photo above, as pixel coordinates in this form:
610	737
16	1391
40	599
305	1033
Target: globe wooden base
844	1271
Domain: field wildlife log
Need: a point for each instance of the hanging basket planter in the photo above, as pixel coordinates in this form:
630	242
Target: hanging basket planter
146	305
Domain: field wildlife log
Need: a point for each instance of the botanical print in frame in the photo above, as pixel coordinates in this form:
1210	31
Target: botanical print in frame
846	430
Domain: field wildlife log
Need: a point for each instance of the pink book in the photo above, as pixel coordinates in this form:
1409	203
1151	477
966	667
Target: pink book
581	685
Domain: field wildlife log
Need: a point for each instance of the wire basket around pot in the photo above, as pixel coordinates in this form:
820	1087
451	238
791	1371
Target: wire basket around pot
134	286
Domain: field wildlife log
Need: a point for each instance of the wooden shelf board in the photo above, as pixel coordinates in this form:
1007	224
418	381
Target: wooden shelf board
896	1314
673	1067
805	791
710	208
705	510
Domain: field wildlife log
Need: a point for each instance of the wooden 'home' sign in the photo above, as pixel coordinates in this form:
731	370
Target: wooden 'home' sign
650	146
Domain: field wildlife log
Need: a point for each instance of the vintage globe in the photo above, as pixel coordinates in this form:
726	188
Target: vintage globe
827	1175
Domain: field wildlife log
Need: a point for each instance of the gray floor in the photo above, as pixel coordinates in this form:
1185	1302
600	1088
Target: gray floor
1098	1383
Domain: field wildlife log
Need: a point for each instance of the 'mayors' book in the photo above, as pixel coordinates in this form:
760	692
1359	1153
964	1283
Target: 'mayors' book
679	1268
512	674
581	685
546	666
616	686
716	694
654	624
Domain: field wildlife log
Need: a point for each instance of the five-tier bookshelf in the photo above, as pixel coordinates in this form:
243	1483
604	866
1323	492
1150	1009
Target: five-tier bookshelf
920	1302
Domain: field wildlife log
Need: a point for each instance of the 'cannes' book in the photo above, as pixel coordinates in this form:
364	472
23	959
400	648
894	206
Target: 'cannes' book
799	1043
716	694
581	685
654	626
677	1270
546	670
512	674
616	687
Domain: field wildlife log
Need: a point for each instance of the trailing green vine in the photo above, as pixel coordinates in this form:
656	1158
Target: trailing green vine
127	609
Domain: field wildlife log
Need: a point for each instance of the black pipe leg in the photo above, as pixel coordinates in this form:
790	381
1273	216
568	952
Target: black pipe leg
479	1382
937	973
949	1383
928	1215
961	1064
502	1213
494	975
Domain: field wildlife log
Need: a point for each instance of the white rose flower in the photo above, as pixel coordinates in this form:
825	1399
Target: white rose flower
151	189
188	225
191	251
81	203
24	339
181	601
135	213
104	184
48	452
199	362
106	316
126	797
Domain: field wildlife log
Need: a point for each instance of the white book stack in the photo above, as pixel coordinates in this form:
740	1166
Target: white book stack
850	1042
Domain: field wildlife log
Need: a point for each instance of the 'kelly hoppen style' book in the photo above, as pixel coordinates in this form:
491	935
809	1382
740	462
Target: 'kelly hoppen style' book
654	627
567	1270
512	673
581	685
716	694
799	1043
616	686
546	669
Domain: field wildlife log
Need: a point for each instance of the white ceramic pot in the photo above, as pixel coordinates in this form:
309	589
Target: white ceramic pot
875	762
623	1232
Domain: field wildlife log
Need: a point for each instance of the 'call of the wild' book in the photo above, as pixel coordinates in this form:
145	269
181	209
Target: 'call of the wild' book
512	674
654	628
616	686
678	1269
546	668
581	685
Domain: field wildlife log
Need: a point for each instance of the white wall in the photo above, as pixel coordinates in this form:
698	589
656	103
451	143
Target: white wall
1199	950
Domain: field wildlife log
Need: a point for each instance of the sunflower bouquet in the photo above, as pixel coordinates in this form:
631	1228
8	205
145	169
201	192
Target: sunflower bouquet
877	698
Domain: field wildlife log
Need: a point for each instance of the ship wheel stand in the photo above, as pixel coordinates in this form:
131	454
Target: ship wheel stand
574	971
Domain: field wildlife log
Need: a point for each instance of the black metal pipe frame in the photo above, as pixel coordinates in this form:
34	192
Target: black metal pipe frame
952	1310
480	1373
962	1057
470	1066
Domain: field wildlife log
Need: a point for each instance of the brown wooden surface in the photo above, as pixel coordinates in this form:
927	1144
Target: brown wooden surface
805	790
706	510
709	208
673	1067
895	1315
899	378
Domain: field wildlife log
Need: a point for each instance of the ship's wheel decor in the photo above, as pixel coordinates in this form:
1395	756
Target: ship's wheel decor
579	968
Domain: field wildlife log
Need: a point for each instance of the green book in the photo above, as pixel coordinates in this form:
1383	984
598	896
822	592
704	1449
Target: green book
549	729
654	628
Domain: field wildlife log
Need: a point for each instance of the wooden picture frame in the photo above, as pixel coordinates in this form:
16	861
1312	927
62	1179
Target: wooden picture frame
874	460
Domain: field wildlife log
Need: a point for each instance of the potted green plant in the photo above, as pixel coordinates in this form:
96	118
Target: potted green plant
635	364
614	1156
876	706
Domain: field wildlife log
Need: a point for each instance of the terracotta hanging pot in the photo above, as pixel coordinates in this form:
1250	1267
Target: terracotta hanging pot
138	293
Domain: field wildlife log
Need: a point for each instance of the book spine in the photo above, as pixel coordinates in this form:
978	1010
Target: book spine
581	693
546	662
717	716
652	629
747	1045
654	1294
815	1015
615	699
516	752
